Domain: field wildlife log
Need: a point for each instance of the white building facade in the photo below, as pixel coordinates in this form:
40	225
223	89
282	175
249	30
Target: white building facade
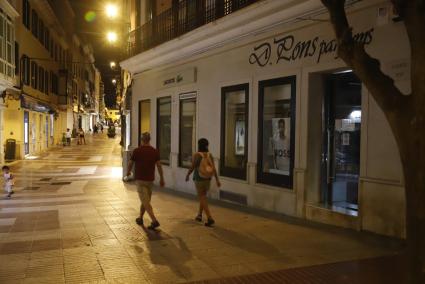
292	130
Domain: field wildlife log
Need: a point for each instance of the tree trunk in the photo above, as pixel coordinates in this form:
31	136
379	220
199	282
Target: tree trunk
411	142
415	200
405	114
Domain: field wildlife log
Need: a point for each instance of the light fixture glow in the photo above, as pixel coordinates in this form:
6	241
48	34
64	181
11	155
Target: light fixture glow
356	115
112	64
114	81
343	71
116	172
112	37
111	11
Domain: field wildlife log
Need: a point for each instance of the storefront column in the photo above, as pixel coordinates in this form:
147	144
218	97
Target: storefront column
2	142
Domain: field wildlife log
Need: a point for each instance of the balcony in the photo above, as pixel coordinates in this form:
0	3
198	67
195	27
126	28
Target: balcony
185	17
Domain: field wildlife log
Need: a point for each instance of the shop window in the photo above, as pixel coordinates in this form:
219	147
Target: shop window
276	118
163	129
144	117
234	131
187	143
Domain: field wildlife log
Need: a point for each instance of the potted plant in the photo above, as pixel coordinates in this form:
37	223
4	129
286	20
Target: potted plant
111	131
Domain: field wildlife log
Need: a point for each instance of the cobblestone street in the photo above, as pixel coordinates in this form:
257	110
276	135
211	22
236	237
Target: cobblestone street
71	220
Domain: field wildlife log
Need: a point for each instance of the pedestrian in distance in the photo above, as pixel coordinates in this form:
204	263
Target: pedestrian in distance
101	128
8	181
203	169
144	159
68	136
81	137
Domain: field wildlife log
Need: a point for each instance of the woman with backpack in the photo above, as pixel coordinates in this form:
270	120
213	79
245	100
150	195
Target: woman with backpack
203	169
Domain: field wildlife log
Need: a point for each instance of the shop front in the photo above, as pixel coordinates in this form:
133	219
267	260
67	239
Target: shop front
292	130
31	124
8	95
2	108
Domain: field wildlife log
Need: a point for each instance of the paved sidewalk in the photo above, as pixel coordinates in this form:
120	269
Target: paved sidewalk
72	220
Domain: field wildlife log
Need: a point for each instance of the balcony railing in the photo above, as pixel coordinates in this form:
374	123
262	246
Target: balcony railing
174	22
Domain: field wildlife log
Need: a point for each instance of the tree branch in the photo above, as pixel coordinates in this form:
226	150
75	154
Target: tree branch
413	14
367	68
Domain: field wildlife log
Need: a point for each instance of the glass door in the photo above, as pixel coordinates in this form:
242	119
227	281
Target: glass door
187	129
163	129
47	131
144	117
341	142
26	133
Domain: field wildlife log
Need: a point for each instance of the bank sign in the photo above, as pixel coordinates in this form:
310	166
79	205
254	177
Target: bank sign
288	48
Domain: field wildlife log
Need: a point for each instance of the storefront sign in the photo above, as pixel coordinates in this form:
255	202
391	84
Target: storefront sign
32	104
184	77
288	48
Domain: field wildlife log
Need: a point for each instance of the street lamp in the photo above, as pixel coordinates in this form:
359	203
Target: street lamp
111	11
112	64
112	37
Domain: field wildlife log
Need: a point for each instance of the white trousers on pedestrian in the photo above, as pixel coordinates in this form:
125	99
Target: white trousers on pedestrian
8	188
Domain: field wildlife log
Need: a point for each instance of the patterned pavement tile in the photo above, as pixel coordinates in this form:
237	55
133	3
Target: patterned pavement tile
72	221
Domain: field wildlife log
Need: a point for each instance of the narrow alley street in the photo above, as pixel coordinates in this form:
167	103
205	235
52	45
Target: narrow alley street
71	220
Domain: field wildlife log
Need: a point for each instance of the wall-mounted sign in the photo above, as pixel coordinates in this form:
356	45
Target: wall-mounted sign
288	48
183	77
187	96
398	69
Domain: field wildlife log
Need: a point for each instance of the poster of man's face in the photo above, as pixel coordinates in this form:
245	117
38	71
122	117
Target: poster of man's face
281	128
280	146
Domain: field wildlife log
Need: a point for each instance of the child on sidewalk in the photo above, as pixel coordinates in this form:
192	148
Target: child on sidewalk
8	181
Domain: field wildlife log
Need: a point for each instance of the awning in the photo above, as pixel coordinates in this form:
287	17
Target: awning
13	91
31	103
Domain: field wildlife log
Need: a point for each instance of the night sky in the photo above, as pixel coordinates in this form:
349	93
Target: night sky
92	26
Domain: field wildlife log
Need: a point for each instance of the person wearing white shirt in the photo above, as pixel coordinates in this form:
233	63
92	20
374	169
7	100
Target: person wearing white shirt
8	181
68	136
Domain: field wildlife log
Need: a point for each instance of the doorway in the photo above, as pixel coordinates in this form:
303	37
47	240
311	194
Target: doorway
144	118
341	130
47	131
26	133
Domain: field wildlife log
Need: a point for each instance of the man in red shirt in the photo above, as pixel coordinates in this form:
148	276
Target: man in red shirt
145	158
